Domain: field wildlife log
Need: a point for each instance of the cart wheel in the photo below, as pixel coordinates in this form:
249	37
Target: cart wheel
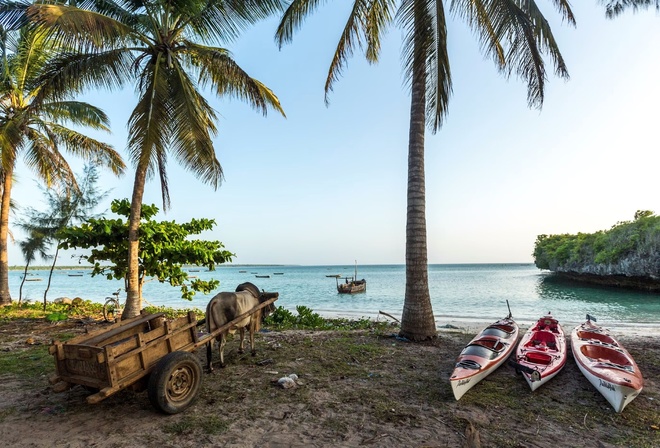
111	310
174	382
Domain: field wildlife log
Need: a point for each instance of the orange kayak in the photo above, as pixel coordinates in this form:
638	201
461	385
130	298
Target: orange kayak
606	364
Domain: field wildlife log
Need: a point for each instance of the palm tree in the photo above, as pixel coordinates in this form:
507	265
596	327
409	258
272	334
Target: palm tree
154	43
32	122
35	244
513	32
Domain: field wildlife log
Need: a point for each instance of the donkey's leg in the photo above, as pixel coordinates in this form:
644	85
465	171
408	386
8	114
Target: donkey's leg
253	326
221	348
209	355
241	347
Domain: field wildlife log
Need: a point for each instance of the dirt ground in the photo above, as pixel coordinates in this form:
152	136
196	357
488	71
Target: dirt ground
354	389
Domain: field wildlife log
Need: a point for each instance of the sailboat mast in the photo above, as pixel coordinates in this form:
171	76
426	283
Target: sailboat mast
356	270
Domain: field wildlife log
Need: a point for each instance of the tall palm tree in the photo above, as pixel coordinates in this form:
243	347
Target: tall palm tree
32	124
156	43
513	32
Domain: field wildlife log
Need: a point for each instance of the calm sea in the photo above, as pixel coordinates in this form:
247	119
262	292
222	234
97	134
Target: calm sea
466	293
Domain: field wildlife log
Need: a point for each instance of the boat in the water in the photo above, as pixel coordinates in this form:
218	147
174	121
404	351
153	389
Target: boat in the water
262	276
606	364
541	353
486	352
351	285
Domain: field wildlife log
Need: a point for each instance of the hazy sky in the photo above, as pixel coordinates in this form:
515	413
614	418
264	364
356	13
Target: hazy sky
327	185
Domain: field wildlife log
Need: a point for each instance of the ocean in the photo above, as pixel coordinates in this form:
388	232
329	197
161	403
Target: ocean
459	293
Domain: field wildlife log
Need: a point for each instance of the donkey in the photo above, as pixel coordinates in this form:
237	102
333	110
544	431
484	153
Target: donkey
227	306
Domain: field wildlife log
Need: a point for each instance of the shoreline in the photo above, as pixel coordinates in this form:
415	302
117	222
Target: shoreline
475	325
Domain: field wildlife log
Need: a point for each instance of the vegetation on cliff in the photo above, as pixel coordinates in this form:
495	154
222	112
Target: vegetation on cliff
629	248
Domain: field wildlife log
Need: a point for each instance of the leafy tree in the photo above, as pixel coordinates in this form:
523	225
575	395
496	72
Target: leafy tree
513	32
35	244
165	248
627	240
66	206
157	45
32	124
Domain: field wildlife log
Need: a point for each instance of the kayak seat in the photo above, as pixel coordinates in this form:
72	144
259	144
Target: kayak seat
538	358
479	351
542	337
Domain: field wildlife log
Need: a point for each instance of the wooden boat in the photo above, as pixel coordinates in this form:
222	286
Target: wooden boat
606	364
485	353
541	353
334	275
262	276
351	285
278	273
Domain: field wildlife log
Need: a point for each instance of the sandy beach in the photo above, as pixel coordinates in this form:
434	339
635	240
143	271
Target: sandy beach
354	389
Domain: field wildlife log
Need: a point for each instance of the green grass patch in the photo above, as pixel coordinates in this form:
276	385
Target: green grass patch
29	363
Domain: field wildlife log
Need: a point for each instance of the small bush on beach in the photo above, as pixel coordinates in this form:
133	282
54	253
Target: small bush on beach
307	319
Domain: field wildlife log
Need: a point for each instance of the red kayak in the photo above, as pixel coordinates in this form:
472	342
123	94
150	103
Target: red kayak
485	353
606	364
541	353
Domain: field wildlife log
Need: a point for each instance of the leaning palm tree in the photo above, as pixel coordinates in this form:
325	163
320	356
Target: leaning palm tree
32	124
513	32
156	43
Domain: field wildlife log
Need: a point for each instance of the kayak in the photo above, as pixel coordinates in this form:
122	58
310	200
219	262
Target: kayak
541	353
483	354
606	364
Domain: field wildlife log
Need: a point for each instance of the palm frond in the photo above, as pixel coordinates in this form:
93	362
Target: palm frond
13	14
293	18
614	8
545	39
43	158
69	73
219	71
77	113
192	128
71	27
349	39
476	14
425	54
87	148
149	124
223	21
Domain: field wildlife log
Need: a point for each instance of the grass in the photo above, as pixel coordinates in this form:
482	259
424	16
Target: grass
368	380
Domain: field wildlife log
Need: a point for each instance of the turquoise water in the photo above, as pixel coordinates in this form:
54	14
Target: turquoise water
472	292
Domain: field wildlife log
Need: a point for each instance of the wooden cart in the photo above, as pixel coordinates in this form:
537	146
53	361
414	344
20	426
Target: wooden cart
146	351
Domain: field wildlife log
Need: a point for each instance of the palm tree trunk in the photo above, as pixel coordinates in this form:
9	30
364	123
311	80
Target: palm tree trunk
5	296
417	321
133	290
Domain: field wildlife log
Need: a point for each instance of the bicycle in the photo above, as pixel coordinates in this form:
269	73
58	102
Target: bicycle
112	308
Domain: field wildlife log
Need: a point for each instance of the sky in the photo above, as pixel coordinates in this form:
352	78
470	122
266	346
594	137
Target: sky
327	185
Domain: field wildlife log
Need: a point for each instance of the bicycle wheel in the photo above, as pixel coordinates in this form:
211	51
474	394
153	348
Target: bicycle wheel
111	310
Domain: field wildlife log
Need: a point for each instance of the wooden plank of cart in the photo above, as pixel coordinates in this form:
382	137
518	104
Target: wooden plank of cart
145	351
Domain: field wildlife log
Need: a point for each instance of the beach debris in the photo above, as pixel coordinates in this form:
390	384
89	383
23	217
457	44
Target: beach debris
289	381
388	315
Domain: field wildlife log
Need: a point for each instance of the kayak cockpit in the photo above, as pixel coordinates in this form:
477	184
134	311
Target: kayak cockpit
592	335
